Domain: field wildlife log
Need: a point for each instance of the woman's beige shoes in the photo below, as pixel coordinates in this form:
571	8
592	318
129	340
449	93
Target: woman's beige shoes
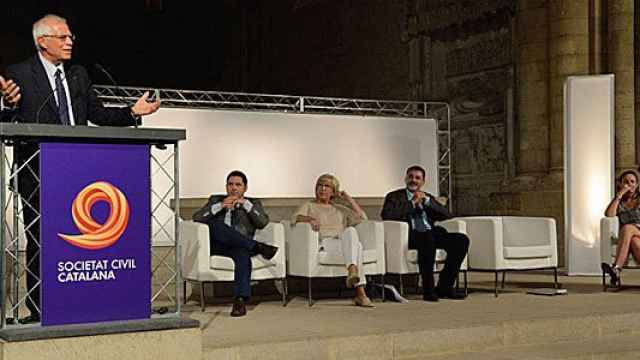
352	277
363	301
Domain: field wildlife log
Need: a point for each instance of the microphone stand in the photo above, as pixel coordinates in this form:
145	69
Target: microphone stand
122	99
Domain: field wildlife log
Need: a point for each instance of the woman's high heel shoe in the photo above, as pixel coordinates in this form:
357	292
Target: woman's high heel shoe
613	274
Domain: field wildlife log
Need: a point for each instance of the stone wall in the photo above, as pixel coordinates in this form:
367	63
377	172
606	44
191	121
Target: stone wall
636	26
621	63
471	66
502	66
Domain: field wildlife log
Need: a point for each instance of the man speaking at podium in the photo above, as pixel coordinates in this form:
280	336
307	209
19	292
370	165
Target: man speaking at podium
42	90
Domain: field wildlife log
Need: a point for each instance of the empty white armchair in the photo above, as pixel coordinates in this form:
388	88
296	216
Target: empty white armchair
503	243
609	229
199	266
402	261
306	258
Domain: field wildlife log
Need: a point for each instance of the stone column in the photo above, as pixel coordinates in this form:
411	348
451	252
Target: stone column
415	57
637	68
568	55
532	87
553	43
598	37
621	63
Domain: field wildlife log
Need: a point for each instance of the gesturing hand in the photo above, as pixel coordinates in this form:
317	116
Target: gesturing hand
418	197
10	92
142	107
623	190
229	202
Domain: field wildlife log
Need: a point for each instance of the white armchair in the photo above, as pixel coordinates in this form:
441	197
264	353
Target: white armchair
402	261
199	266
504	243
306	258
609	229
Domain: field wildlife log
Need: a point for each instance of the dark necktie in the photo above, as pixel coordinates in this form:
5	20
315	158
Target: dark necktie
418	223
63	108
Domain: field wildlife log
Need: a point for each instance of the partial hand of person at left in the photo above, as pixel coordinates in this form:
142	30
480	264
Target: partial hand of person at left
9	92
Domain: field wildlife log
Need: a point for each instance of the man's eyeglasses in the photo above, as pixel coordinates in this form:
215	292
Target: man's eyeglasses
62	37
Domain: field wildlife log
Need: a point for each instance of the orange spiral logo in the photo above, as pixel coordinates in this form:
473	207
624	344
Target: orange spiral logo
94	235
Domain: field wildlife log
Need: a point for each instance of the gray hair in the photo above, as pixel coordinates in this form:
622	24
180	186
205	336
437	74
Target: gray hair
43	26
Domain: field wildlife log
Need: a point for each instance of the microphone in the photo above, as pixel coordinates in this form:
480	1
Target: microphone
46	100
122	99
15	115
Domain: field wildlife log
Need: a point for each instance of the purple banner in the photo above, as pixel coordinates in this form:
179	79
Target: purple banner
95	232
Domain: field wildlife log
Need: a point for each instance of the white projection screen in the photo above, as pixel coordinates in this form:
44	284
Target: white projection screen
589	167
283	154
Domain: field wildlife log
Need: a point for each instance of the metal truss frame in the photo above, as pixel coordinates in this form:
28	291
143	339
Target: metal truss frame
439	111
167	166
13	267
113	95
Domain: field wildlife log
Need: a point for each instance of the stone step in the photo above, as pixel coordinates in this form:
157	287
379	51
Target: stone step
605	348
568	337
482	324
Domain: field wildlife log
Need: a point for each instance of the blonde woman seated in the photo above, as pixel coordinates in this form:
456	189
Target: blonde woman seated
626	206
334	223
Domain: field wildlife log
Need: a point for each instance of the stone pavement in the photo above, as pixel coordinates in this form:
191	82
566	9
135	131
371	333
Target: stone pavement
514	325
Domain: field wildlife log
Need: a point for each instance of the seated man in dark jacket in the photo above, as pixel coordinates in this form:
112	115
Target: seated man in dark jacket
233	220
421	210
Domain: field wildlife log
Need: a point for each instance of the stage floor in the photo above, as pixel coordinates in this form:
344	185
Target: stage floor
515	322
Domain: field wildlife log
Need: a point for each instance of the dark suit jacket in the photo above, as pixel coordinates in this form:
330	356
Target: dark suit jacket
242	221
34	85
35	88
398	208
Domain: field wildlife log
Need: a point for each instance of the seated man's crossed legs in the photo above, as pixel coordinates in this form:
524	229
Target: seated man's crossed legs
225	241
224	236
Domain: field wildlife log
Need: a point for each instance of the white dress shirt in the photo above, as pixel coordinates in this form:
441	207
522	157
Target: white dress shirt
51	69
217	207
3	107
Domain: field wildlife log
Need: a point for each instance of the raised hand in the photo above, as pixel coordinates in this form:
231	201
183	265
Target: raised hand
143	107
345	195
10	92
418	197
623	190
229	202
